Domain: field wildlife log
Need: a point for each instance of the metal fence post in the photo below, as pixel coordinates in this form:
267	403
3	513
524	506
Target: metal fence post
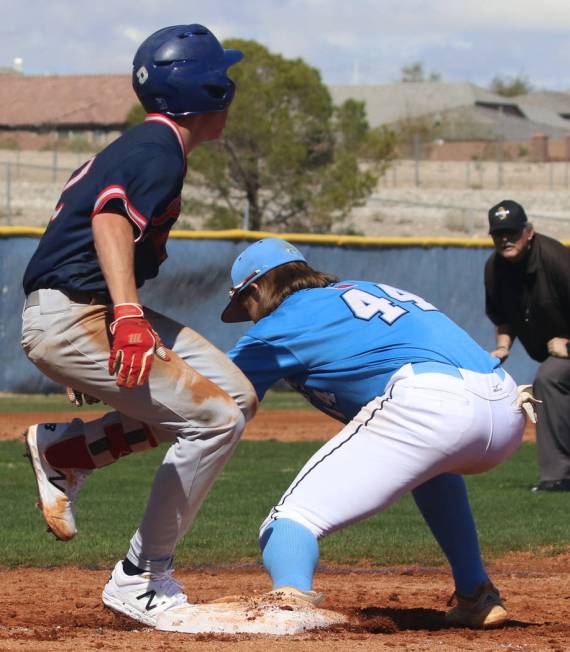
499	146
54	166
417	160
9	193
499	165
395	174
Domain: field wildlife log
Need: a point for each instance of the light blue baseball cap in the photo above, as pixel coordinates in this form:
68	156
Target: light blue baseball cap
253	262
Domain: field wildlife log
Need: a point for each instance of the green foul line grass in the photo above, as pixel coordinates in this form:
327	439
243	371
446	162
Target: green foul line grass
111	504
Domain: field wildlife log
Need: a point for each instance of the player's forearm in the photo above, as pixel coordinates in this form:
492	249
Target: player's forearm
503	338
504	342
114	243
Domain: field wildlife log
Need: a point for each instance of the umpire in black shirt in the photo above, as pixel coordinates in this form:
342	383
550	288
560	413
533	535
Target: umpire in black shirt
527	288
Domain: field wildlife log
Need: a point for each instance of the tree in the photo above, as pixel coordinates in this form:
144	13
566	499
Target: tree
295	161
510	86
136	115
414	72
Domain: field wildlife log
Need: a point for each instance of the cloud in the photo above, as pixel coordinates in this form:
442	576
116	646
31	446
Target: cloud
507	16
133	34
459	39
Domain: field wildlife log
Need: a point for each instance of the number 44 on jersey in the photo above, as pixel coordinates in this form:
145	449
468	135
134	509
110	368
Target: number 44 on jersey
365	305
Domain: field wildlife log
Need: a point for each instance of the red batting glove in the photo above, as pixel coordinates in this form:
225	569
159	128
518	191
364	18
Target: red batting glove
134	344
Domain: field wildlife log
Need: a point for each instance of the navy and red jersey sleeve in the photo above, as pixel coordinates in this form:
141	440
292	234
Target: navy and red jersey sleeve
142	186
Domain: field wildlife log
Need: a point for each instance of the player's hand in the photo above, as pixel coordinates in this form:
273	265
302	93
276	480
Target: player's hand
134	345
501	352
558	347
77	398
525	401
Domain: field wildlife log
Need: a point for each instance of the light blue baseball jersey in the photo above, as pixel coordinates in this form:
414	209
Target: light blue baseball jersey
340	345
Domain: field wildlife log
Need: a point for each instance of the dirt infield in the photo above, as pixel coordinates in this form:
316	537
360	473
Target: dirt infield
284	425
399	607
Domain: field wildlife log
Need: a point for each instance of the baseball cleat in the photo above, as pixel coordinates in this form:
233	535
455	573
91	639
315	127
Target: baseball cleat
142	597
56	488
292	594
482	610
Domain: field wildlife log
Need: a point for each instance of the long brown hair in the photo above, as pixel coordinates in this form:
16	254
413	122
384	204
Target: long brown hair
281	282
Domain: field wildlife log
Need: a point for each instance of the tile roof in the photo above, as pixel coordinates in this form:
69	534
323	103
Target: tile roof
65	100
483	123
389	103
556	101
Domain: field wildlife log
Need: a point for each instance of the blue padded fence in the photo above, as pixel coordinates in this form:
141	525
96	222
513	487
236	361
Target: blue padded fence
193	284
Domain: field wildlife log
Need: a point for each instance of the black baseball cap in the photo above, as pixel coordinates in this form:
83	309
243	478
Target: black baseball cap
507	216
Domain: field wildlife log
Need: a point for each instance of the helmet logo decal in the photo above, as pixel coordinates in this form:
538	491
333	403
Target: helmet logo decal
142	75
291	249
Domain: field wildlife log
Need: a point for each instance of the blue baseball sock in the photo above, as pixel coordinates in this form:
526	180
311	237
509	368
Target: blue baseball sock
290	554
444	504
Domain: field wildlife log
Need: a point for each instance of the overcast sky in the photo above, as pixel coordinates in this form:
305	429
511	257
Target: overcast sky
364	41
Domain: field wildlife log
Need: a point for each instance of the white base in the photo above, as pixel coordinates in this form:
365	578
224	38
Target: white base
261	615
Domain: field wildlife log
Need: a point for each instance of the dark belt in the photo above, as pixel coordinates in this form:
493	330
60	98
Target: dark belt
75	296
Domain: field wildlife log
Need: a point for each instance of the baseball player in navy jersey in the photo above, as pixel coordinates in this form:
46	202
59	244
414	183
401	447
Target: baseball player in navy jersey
423	404
83	322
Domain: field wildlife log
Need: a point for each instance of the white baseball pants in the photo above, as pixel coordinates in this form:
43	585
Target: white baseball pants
424	425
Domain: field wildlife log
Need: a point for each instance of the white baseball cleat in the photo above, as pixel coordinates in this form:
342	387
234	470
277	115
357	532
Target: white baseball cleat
142	597
57	489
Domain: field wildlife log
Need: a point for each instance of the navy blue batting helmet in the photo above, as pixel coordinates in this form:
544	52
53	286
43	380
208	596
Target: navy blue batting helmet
182	70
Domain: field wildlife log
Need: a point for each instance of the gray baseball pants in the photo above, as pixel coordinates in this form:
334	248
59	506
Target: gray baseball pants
199	401
552	387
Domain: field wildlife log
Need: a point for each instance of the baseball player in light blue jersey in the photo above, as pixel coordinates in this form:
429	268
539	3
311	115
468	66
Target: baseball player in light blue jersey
423	404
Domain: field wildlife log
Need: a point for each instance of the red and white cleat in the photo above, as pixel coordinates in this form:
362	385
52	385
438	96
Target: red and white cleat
57	488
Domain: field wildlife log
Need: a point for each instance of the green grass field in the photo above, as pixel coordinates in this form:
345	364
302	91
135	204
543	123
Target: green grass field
112	501
274	400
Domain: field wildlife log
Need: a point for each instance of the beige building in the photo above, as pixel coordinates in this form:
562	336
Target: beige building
75	112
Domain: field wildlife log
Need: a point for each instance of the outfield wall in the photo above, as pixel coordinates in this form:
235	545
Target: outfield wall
193	284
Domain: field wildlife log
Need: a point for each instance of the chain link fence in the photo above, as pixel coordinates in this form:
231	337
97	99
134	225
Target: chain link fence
478	175
414	197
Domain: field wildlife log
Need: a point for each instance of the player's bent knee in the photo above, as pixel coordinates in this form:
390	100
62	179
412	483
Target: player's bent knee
237	424
232	418
216	412
222	420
